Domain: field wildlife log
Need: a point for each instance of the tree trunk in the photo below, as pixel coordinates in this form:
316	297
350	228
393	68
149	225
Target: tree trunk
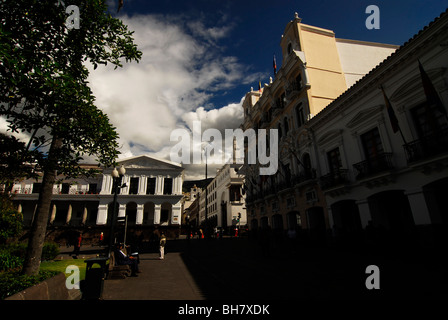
38	229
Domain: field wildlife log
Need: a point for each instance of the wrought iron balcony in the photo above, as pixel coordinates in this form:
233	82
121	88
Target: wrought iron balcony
382	162
333	179
426	147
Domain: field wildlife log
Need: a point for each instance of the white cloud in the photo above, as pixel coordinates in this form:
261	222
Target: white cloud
171	86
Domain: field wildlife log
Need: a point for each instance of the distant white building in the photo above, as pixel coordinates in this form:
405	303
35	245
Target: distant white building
152	196
225	199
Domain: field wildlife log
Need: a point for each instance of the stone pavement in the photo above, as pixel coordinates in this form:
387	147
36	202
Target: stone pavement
167	279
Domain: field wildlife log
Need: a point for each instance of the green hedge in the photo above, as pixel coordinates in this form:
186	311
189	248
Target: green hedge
11	262
50	250
13	281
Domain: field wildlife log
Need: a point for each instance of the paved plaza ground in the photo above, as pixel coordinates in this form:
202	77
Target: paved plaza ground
238	269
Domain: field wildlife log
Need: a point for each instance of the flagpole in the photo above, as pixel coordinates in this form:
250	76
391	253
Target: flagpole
392	117
402	136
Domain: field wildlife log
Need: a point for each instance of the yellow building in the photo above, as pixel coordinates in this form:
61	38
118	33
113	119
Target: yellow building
316	68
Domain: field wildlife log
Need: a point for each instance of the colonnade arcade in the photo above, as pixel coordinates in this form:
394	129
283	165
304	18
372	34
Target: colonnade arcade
142	213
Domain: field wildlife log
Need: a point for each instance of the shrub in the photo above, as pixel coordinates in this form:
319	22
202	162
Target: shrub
49	251
9	261
13	281
11	221
17	249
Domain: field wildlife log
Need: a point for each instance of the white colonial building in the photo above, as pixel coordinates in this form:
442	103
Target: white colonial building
225	199
372	174
152	196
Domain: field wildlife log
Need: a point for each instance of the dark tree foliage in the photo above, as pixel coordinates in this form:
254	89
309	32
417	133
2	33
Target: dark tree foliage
44	91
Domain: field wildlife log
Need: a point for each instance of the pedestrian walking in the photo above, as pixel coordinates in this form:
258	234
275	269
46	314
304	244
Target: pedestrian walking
77	245
162	246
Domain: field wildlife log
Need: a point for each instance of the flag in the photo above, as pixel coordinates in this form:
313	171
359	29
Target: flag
120	5
275	66
393	119
432	97
259	86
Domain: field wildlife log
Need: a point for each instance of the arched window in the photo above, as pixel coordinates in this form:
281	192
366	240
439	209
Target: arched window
289	48
300	115
285	125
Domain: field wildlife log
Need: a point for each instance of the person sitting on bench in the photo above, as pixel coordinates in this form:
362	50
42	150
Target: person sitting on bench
122	258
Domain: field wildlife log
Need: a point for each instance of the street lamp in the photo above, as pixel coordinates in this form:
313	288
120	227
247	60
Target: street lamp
206	191
117	176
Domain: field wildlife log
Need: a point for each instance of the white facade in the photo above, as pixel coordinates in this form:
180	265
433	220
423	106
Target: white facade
225	197
152	195
359	57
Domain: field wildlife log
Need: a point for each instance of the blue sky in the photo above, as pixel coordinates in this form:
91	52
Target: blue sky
201	57
255	27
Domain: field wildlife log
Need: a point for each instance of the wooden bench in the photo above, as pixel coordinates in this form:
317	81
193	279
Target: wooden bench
117	271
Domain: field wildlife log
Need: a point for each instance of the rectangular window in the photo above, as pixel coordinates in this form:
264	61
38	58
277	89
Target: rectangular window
234	193
311	196
281	101
133	186
428	121
290	202
65	188
93	188
334	160
371	142
300	116
36	187
168	186
299	82
151	186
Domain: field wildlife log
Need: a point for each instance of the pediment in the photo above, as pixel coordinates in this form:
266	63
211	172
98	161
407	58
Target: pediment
330	136
148	162
414	84
365	115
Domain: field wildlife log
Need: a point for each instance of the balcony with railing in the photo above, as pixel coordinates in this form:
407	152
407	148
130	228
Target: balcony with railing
334	179
374	165
427	146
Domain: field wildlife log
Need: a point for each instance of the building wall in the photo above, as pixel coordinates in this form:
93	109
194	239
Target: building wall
359	57
311	77
72	204
399	182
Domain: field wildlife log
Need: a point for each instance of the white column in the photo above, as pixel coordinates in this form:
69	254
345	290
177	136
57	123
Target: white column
53	214
84	215
102	214
125	180
157	209
106	185
174	186
159	185
364	212
122	210
142	183
69	214
139	218
418	205
175	214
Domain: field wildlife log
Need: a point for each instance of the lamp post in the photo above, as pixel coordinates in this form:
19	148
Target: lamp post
206	194
117	176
